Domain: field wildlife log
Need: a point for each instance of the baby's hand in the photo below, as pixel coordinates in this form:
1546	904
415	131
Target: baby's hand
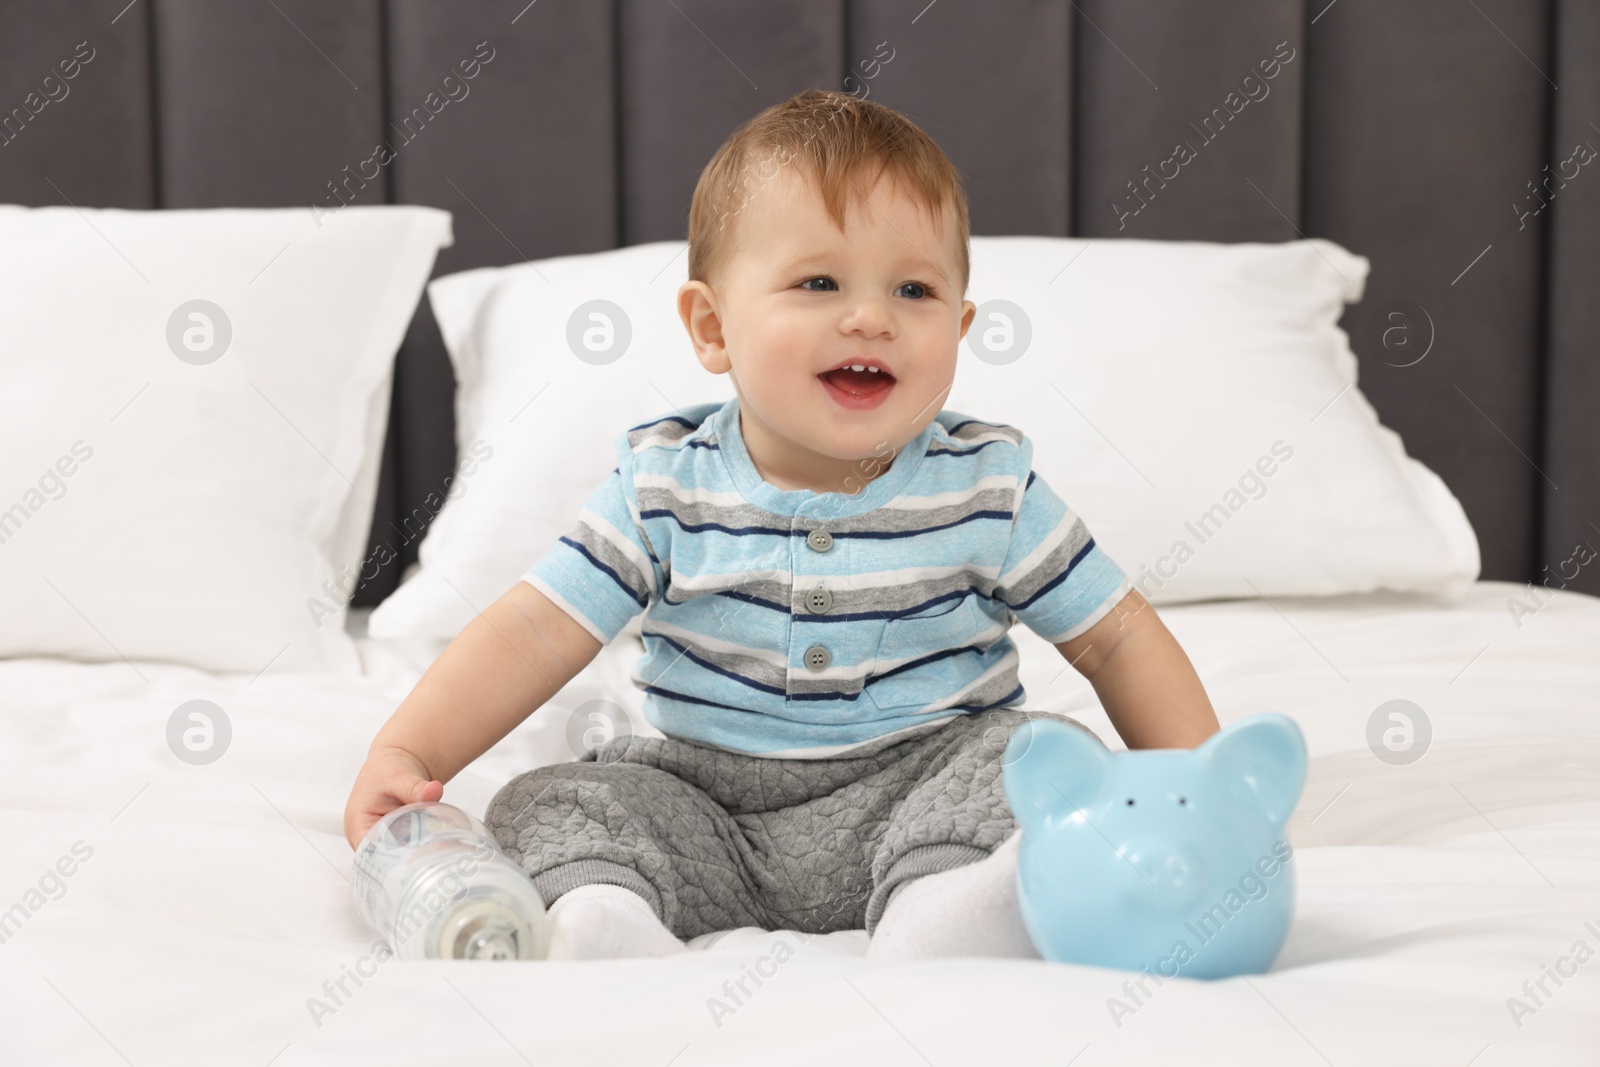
390	778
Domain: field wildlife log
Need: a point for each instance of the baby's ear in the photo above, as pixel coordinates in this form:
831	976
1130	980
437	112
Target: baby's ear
699	314
1261	762
968	311
1051	767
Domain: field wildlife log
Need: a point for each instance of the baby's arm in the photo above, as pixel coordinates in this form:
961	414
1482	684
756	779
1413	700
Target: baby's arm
506	663
1144	680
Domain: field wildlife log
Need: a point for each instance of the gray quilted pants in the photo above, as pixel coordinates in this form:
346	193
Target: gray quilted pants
716	839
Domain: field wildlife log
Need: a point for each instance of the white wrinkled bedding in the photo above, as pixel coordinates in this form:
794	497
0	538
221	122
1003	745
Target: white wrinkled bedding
215	900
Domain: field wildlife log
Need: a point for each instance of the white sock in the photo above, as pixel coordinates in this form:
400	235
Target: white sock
603	922
966	911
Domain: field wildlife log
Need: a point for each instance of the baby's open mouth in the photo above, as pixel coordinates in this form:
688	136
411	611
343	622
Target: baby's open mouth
858	385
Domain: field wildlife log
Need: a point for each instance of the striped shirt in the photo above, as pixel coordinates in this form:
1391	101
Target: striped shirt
796	624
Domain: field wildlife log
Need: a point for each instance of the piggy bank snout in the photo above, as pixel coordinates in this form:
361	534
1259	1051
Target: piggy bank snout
1174	872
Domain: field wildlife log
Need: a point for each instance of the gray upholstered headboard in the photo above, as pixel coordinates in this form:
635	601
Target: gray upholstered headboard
1417	133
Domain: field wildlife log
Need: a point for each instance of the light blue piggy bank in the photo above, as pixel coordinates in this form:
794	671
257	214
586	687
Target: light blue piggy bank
1169	859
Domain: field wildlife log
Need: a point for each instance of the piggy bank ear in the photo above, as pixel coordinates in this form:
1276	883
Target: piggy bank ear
1262	763
1052	767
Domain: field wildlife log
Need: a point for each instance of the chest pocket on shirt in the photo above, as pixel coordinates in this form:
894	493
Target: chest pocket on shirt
928	632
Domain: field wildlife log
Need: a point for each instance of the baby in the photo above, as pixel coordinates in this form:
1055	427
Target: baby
827	566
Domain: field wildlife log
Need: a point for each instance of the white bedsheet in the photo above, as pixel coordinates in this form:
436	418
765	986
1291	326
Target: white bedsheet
215	903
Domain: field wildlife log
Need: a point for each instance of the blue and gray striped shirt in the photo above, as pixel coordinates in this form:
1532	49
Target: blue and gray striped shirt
795	624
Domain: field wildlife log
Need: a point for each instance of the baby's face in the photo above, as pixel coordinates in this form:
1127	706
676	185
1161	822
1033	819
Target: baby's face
801	306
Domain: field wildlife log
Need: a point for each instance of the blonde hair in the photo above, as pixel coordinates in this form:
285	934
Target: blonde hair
835	138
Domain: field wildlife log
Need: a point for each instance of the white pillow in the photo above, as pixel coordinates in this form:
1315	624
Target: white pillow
1160	374
1178	362
541	421
183	482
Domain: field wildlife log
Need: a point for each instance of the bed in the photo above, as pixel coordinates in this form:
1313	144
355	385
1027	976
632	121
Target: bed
214	906
191	529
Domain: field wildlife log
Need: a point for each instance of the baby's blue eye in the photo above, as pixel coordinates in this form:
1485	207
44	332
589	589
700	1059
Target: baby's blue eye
924	291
